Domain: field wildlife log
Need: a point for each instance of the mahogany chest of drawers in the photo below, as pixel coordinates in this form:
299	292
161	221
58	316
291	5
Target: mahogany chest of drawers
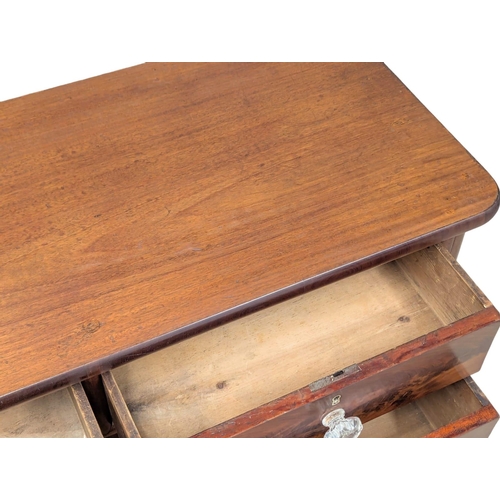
220	250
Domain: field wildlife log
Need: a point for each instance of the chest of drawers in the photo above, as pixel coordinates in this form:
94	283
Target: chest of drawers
234	249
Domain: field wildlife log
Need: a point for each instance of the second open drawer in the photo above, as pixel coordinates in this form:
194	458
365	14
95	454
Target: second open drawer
65	413
371	342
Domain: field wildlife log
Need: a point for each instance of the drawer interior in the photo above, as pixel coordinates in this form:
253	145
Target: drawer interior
424	416
208	379
62	414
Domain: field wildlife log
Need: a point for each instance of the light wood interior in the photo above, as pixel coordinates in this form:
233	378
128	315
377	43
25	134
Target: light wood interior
425	415
218	375
53	415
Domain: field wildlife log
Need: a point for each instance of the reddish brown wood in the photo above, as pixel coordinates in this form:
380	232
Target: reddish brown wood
380	385
147	205
479	424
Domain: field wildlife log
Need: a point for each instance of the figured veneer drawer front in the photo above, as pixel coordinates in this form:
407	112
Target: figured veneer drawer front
403	330
65	413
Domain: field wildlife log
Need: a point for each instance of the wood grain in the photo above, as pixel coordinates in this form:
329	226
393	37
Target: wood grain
144	206
124	424
447	289
475	424
54	415
380	385
96	395
453	245
203	381
211	378
453	411
478	424
85	412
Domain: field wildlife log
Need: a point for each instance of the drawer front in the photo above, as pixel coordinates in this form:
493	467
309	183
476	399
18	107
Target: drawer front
403	330
65	413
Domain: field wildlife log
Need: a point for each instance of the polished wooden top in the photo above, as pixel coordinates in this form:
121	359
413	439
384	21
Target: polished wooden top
146	205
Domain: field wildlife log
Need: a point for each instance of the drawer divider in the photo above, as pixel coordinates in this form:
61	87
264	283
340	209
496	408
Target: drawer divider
124	423
84	410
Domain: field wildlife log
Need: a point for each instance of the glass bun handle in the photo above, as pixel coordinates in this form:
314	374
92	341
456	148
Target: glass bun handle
341	427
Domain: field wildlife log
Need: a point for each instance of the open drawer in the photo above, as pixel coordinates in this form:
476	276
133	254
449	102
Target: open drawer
459	410
65	413
369	343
